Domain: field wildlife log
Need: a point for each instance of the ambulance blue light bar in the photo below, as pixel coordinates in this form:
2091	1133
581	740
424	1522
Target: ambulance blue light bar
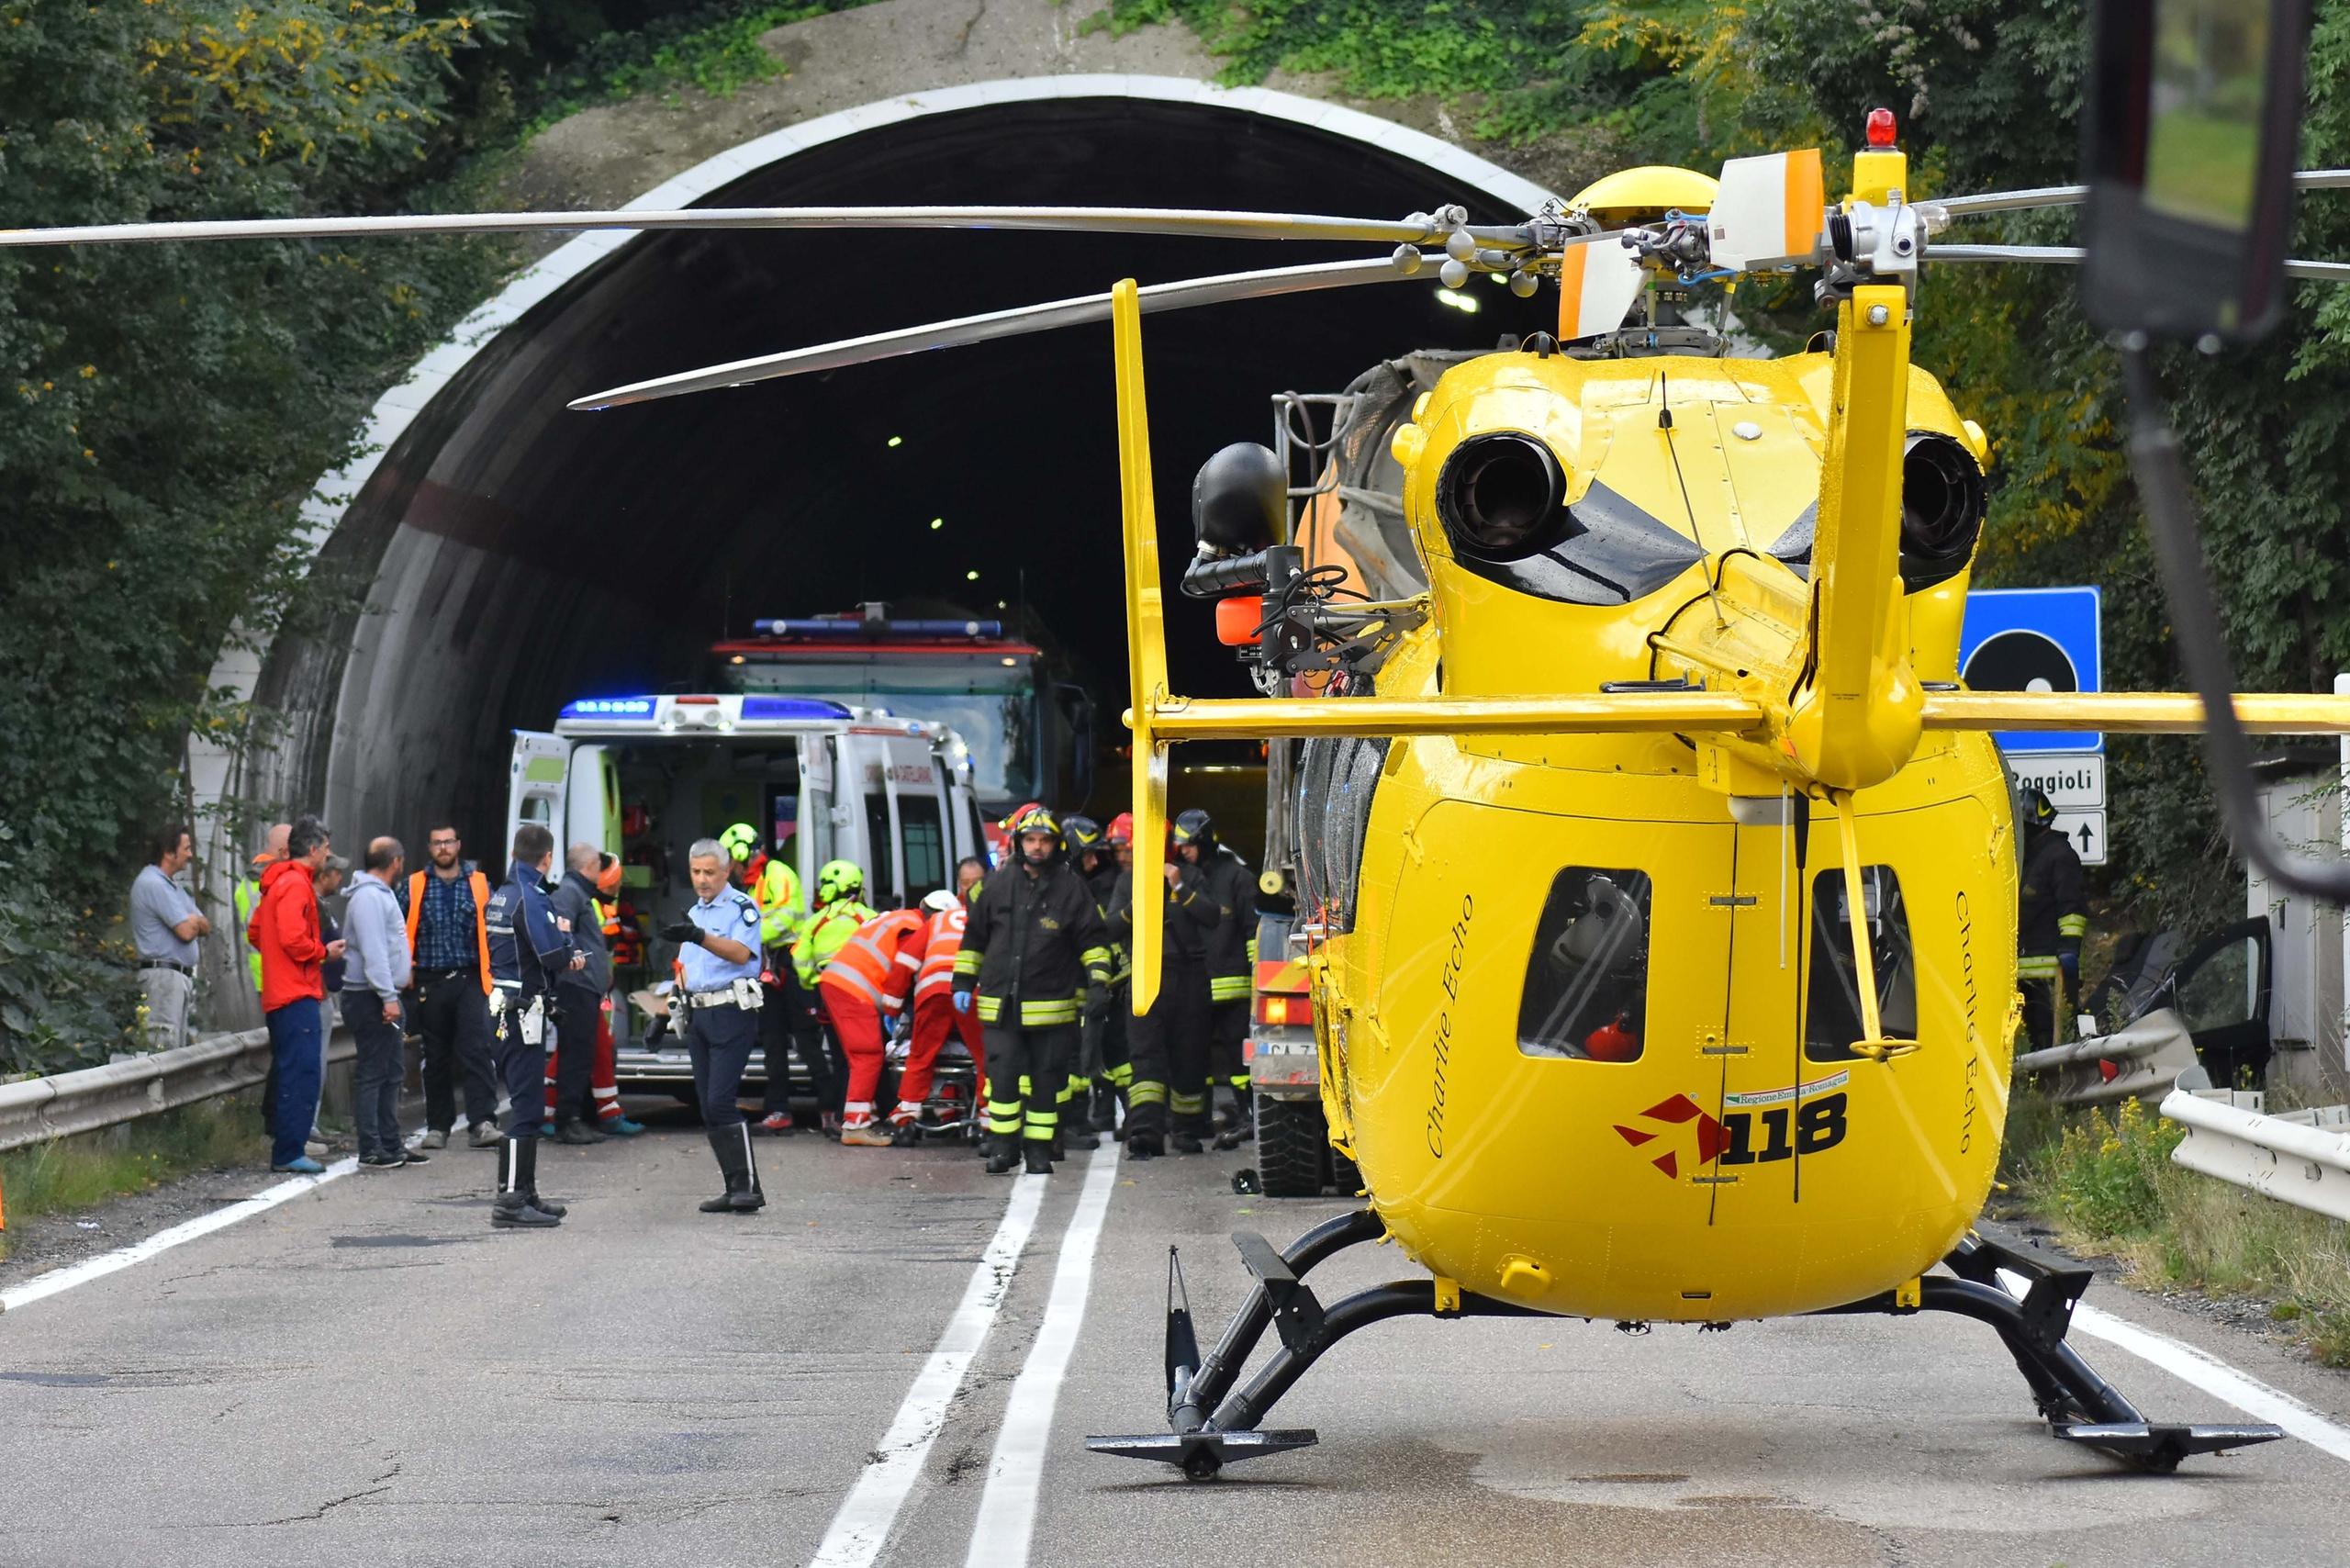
611	708
788	708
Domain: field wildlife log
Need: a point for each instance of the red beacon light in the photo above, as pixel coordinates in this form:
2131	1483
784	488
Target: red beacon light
1881	127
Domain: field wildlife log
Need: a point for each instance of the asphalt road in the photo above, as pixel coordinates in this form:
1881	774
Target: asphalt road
368	1375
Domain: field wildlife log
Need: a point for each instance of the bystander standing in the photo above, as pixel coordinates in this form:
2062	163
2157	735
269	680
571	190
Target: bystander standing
450	943
164	926
284	930
375	972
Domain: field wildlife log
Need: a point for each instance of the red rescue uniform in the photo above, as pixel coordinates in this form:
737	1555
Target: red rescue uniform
862	991
934	1012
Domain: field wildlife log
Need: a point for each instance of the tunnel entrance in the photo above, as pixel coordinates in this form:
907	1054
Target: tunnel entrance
522	556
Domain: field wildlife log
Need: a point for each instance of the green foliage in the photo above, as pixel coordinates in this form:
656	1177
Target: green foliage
79	1172
2109	1183
168	408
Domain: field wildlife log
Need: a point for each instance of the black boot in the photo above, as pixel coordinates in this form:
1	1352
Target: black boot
1102	1117
1037	1155
1144	1144
512	1207
1004	1153
530	1180
573	1131
727	1145
752	1197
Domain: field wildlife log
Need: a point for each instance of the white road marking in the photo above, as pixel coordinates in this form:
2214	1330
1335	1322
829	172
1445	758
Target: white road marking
2214	1376
1008	1507
43	1285
2206	1371
862	1527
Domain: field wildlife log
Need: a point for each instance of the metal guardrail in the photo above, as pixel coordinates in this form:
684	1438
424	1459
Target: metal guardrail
2141	1061
2296	1157
39	1109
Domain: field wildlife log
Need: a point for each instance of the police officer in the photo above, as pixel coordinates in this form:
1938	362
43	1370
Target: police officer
717	946
2051	919
1033	945
1170	1041
527	950
1231	961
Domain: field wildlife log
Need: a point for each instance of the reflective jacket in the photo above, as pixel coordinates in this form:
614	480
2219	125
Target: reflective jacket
1231	969
1192	916
826	932
1033	944
941	939
479	884
774	886
1103	883
880	962
2054	915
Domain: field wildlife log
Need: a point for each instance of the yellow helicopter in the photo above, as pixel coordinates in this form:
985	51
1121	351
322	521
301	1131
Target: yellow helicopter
1674	977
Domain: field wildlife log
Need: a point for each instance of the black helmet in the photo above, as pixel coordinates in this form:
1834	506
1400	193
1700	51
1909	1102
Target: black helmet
2033	806
1081	833
1195	826
1037	819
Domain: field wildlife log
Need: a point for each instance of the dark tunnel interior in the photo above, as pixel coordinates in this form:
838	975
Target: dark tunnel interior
523	555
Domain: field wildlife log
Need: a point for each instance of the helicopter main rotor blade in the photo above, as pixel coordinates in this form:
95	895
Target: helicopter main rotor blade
2073	195
1208	223
1025	318
2071	255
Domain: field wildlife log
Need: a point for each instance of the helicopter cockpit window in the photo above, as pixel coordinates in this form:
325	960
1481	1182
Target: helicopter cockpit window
1587	983
1832	1014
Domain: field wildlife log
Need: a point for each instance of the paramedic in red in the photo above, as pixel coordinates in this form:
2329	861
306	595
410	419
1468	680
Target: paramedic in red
862	991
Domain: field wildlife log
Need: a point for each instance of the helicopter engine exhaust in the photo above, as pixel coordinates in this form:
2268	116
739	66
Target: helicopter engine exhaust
1499	494
1943	502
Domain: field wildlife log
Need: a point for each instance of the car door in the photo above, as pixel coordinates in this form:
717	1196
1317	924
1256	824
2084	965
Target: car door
537	785
2220	992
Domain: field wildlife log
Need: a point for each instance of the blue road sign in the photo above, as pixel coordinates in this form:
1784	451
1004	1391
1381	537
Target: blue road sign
2034	640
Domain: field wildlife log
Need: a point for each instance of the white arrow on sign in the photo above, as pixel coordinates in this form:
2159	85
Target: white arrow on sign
2086	832
2072	780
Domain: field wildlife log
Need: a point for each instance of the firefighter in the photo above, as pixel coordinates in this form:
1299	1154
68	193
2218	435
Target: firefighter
717	1000
862	991
1103	1067
2051	919
935	1012
840	910
1032	948
527	950
1231	960
1170	1041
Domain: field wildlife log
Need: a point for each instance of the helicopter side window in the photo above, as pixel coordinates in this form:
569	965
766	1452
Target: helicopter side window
1587	983
1832	1011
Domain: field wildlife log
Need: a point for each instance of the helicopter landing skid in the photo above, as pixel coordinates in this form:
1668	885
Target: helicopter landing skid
2078	1406
1210	1423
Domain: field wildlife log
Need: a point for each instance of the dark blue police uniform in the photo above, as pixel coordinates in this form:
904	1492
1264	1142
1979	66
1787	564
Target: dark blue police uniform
527	950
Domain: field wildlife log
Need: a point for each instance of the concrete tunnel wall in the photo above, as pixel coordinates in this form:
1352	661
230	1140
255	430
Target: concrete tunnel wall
518	555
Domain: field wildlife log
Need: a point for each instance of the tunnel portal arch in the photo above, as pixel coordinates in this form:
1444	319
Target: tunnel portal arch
521	556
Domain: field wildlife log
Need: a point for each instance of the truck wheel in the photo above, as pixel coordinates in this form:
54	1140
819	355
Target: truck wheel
1345	1179
1290	1147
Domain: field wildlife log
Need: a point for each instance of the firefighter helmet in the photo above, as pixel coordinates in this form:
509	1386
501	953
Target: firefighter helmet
740	840
1037	819
2034	807
1195	826
839	879
1081	833
1122	830
938	900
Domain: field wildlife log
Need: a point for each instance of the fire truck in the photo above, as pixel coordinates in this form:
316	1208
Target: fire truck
1031	736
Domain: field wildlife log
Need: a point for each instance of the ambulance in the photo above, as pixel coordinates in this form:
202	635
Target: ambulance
645	777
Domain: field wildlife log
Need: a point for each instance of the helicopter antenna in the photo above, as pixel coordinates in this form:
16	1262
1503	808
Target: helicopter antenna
1664	423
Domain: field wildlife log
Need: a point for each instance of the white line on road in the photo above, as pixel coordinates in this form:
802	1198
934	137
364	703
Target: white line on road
2206	1371
65	1279
1008	1507
862	1527
2213	1375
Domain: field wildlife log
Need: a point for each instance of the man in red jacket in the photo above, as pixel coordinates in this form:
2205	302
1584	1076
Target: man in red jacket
285	931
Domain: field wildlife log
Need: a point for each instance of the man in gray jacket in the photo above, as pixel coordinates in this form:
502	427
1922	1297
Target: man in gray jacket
579	995
375	970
